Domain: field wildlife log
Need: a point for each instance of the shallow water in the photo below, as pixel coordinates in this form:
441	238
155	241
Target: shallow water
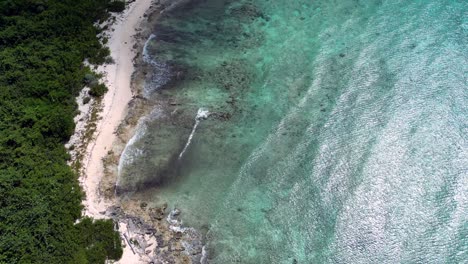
338	130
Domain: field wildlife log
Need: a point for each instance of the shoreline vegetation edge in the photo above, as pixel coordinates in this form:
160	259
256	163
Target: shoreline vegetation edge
148	234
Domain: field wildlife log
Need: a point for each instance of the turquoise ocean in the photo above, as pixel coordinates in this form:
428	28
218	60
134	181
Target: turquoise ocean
327	131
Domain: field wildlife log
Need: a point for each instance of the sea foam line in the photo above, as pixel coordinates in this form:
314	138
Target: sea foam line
146	56
201	114
161	75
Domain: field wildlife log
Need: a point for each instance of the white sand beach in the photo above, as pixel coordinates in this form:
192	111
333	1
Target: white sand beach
117	77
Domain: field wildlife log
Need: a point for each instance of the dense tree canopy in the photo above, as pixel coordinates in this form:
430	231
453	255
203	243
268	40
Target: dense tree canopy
43	44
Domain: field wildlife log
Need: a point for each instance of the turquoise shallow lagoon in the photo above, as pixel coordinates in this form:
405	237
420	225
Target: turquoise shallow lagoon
338	130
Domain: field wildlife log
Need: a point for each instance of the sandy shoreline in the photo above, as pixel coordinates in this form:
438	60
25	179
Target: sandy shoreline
117	78
103	127
112	111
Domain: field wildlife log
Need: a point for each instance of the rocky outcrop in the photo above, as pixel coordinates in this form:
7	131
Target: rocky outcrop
162	239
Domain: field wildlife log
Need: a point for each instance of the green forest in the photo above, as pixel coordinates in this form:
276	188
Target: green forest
43	44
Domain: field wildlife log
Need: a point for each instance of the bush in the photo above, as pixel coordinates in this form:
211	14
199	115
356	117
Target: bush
116	6
90	79
109	60
98	90
86	100
43	44
99	239
100	56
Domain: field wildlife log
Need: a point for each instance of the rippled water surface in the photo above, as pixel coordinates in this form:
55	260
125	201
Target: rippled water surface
338	130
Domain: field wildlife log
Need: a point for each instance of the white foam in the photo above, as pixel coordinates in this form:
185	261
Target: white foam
204	256
174	223
131	152
201	115
146	56
162	71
